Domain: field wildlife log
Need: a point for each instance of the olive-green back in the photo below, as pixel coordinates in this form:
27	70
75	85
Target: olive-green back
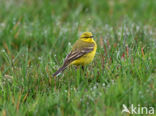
80	44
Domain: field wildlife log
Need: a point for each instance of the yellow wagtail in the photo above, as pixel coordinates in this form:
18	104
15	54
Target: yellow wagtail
82	53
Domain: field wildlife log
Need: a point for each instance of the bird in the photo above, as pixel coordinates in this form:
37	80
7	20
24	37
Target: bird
82	53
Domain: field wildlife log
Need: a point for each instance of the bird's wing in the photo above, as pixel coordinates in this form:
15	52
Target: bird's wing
79	49
73	55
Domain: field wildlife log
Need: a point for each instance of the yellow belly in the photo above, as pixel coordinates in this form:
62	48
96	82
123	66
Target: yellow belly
86	59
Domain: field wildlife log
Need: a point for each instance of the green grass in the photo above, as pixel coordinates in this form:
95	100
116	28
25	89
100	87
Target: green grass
35	37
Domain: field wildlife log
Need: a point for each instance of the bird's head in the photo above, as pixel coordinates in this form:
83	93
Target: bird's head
86	35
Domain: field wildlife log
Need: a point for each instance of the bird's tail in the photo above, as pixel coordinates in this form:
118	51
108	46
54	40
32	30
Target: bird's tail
60	70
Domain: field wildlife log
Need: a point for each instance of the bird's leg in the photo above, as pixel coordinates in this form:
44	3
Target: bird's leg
76	67
83	71
82	68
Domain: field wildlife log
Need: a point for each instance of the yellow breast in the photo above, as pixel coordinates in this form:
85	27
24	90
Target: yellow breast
87	58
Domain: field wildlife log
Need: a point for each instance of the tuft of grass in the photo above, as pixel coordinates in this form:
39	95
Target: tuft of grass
35	37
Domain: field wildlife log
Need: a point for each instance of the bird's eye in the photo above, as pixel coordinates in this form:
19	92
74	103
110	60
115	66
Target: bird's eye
91	36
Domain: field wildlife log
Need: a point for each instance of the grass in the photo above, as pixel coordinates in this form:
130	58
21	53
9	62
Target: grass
35	37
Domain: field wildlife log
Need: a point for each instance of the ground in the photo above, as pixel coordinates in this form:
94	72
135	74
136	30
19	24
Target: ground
36	36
